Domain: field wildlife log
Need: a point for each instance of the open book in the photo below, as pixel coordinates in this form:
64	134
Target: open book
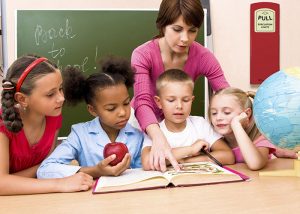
191	174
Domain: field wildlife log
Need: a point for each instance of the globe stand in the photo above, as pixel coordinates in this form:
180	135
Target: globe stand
288	172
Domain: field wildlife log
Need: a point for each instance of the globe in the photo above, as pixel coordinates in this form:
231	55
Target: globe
276	108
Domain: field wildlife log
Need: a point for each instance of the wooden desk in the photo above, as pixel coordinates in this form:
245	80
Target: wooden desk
260	195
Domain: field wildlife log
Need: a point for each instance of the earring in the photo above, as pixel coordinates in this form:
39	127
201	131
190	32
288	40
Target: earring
24	108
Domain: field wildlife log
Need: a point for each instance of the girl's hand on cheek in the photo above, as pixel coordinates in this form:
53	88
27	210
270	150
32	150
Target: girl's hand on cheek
240	119
106	169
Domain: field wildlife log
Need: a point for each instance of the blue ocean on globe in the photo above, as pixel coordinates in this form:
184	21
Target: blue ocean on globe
276	108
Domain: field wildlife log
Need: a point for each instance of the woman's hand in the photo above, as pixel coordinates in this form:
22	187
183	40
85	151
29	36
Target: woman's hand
160	150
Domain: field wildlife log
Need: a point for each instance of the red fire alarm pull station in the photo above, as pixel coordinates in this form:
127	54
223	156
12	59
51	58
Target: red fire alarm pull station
264	41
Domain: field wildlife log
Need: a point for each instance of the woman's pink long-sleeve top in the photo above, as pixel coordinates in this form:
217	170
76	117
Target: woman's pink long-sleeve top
147	62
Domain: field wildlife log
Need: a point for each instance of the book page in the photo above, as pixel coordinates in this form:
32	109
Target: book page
151	183
130	176
196	168
199	172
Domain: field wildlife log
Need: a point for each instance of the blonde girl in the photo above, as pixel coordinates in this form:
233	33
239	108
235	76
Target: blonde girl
231	115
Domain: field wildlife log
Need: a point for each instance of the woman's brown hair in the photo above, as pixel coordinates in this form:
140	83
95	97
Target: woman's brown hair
170	10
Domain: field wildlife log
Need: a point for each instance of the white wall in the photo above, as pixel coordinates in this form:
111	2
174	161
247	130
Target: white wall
230	28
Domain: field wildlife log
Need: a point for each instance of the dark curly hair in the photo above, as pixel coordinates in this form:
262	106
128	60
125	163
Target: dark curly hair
10	115
77	87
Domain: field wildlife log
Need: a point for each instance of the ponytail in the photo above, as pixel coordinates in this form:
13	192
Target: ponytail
78	87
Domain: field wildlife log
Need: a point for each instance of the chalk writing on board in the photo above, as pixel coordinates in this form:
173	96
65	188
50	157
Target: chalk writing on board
44	35
55	52
82	66
48	36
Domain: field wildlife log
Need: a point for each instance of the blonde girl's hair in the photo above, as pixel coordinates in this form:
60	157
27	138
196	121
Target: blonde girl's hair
243	98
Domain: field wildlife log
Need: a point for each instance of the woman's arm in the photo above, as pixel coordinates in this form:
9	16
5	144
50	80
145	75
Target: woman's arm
211	68
13	184
145	107
144	86
255	157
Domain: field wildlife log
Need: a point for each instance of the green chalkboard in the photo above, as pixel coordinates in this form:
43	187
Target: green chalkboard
81	37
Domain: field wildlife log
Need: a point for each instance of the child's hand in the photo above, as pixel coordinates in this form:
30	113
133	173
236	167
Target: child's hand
77	182
242	118
105	169
285	153
197	146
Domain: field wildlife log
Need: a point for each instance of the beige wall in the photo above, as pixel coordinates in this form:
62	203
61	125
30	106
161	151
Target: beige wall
231	37
230	28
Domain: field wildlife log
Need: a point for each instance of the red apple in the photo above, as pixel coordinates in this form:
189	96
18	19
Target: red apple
119	149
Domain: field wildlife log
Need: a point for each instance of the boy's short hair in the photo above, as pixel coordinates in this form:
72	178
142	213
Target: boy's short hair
172	75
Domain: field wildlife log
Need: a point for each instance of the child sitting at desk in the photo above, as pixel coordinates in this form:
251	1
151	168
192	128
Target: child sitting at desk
107	99
186	134
231	114
32	100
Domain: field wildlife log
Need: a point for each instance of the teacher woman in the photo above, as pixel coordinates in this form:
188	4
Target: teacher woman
178	22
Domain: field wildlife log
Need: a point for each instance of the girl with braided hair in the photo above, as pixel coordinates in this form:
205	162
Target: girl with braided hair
32	100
